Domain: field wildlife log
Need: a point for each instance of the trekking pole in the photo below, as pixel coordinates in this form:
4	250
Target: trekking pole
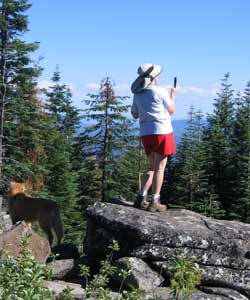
139	164
175	82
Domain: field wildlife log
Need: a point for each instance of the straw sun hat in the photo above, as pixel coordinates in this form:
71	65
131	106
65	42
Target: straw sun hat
147	72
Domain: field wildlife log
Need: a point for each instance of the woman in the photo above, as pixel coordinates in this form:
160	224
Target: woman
154	107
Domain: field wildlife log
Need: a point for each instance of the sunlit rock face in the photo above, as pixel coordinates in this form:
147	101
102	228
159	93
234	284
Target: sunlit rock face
221	247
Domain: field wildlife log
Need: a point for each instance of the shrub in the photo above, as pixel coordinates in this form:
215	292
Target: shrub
22	277
185	276
98	286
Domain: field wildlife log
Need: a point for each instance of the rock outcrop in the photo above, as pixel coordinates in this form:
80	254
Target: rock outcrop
10	241
221	248
57	287
141	275
61	268
5	222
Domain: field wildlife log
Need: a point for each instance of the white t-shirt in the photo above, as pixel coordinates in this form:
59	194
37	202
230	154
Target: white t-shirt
151	105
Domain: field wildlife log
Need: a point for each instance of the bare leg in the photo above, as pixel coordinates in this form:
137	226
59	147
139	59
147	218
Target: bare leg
141	199
148	177
160	162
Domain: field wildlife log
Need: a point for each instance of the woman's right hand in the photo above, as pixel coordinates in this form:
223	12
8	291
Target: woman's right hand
173	92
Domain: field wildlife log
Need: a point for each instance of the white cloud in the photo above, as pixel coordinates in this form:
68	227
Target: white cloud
200	97
199	91
92	85
44	84
123	88
120	87
215	88
189	90
76	91
192	90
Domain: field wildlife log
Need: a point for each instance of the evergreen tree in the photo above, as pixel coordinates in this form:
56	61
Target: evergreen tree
60	181
168	191
89	179
218	145
106	137
191	185
18	102
59	105
241	159
60	177
130	168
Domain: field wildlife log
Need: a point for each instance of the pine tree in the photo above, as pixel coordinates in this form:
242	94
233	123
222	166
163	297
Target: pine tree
188	166
60	181
191	185
241	159
59	104
18	102
218	145
60	177
168	191
105	138
130	169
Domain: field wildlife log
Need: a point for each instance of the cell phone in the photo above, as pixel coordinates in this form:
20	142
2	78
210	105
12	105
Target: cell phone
175	82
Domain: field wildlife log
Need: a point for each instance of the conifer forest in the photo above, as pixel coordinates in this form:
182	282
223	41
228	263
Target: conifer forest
77	157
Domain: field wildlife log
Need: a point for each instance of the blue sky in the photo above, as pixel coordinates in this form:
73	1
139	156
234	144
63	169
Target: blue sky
197	41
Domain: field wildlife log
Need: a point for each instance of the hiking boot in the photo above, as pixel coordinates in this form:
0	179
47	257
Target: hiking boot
145	204
156	206
141	202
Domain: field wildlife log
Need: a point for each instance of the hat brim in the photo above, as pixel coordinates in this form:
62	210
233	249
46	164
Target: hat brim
156	71
143	82
140	84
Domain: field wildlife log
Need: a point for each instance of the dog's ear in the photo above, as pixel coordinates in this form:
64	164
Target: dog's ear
28	185
12	183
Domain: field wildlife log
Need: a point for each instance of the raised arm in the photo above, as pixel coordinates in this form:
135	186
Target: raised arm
171	107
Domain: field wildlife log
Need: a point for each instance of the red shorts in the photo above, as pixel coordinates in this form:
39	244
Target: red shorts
161	143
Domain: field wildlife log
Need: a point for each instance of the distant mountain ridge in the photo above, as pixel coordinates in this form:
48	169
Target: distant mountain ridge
179	127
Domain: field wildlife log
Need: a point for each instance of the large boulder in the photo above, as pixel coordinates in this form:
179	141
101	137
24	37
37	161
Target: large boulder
61	269
141	275
10	242
221	247
58	287
213	293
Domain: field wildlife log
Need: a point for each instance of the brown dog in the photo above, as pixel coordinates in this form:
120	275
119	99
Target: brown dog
23	207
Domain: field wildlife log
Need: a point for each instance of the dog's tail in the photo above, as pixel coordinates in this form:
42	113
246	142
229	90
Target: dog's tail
58	225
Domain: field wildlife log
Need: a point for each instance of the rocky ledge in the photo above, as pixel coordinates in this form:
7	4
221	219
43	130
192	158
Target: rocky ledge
221	248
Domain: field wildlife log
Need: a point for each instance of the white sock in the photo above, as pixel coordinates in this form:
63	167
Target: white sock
142	194
156	197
